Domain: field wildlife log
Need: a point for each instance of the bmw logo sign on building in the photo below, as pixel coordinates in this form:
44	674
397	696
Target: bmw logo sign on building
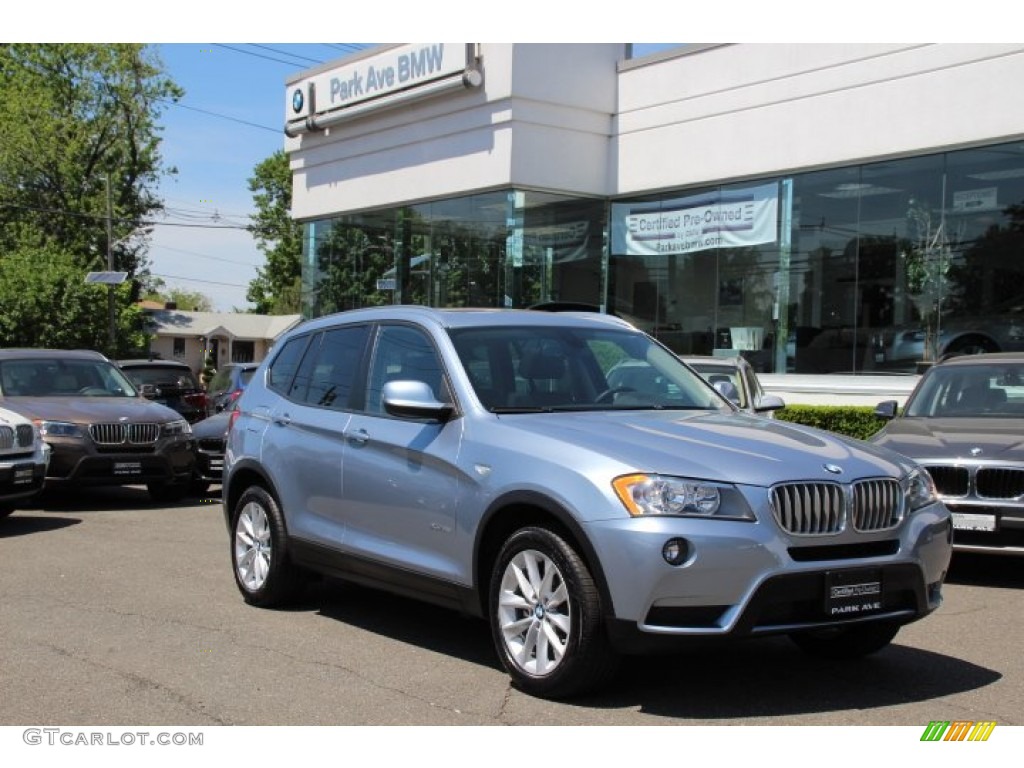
297	100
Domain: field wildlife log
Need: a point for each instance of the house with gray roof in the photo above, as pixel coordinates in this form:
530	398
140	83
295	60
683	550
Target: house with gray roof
228	337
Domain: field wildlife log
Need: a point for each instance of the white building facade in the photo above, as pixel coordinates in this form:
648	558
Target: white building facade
827	208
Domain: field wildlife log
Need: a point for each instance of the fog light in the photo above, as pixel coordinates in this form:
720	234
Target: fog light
675	551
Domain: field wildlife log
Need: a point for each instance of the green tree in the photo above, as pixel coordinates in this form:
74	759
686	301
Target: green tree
188	301
77	120
44	302
277	287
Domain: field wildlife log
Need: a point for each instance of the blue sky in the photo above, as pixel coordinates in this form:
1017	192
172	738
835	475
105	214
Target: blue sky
239	89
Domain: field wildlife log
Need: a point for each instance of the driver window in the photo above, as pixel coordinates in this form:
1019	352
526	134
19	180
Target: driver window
402	354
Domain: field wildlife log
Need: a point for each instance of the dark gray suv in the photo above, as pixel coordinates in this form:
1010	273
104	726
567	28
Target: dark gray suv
100	429
483	461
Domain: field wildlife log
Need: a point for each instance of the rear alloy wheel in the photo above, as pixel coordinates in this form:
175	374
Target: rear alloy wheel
546	617
850	642
259	555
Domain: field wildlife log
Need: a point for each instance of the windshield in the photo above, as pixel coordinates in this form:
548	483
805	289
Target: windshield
549	368
63	378
970	390
162	376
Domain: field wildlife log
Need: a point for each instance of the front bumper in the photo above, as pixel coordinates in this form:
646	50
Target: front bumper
987	526
210	460
21	478
81	463
742	579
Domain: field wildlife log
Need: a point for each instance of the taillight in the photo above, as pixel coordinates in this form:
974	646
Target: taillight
232	397
232	419
197	399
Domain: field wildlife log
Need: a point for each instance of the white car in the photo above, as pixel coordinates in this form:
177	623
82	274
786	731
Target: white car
23	460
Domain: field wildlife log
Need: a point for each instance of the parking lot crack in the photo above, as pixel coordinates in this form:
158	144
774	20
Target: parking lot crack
141	682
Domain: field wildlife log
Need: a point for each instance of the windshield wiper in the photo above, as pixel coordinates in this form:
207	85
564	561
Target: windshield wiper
520	409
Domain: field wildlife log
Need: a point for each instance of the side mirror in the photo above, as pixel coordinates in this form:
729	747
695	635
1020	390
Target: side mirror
887	409
769	403
414	400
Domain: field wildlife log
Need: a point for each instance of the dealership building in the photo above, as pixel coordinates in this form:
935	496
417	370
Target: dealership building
827	208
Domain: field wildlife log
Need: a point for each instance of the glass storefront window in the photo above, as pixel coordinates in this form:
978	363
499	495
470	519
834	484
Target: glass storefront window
498	249
875	268
863	269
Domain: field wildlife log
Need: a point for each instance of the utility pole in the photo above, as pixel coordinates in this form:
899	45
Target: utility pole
111	325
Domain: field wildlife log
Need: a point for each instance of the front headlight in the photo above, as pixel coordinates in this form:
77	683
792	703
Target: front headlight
679	496
919	490
58	429
177	428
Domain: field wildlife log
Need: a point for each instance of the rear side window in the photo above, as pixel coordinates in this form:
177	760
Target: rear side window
329	379
282	370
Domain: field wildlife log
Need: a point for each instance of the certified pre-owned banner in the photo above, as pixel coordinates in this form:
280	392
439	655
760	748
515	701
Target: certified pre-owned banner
727	219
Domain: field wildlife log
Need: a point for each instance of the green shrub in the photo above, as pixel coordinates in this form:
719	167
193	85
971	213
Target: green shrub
854	420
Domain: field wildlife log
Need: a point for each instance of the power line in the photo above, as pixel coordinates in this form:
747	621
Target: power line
130	222
201	255
347	47
235	214
218	114
198	280
286	53
257	55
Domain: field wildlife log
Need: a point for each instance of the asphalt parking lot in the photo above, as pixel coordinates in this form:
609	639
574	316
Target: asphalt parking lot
118	611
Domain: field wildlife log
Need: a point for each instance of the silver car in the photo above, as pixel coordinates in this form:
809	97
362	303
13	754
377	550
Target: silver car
735	378
964	422
480	460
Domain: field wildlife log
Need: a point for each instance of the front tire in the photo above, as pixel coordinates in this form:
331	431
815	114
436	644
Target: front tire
850	642
546	617
259	551
5	511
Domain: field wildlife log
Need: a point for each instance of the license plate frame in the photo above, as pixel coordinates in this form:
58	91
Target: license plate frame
850	594
974	521
23	474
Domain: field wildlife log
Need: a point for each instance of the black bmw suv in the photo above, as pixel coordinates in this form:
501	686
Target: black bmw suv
169	383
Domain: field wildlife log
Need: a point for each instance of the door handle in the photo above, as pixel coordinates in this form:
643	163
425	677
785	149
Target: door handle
358	436
283	420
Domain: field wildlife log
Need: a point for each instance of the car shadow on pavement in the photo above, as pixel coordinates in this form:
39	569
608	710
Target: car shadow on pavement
771	678
408	621
101	499
766	677
22	525
987	570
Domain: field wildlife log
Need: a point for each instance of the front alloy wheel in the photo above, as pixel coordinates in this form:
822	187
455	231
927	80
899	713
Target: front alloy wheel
546	616
534	612
263	572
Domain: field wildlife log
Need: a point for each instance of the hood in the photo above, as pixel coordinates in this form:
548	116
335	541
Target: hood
919	438
11	418
92	410
213	427
726	447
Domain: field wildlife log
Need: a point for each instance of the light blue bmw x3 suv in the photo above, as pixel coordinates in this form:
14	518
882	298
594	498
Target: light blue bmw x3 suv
479	459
